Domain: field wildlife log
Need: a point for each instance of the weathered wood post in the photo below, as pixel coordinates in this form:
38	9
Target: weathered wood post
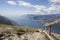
49	30
48	27
45	28
50	24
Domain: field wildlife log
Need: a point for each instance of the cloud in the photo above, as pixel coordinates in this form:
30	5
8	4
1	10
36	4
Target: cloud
54	1
50	10
11	2
22	3
54	8
40	9
25	4
13	13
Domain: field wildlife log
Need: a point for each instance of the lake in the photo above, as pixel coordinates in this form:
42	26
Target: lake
27	22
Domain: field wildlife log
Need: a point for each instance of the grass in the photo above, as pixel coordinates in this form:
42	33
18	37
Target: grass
16	28
46	37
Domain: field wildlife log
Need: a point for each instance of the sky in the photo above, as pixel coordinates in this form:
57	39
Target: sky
14	8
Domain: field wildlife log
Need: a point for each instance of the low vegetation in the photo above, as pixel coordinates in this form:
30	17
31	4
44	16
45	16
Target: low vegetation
46	37
19	28
7	31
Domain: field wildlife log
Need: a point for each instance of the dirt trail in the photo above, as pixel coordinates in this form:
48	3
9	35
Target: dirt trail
34	36
37	36
27	36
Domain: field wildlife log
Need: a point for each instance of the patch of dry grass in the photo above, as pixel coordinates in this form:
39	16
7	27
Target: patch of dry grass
16	28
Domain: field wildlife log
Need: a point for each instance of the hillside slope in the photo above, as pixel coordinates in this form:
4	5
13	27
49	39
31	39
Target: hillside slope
6	21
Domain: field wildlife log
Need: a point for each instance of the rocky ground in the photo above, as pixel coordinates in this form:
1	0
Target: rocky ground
57	36
10	34
22	33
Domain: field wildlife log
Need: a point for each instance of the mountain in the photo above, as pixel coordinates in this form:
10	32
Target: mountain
36	20
42	19
6	21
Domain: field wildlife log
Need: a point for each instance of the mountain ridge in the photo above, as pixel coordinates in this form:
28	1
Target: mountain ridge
7	21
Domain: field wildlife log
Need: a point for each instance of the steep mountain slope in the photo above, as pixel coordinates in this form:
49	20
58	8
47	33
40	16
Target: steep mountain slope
4	20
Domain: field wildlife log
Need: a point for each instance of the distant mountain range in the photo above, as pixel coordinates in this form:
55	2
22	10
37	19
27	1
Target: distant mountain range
44	18
36	20
7	21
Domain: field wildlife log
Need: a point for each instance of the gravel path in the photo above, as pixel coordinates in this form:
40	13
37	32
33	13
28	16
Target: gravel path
35	36
38	36
27	36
